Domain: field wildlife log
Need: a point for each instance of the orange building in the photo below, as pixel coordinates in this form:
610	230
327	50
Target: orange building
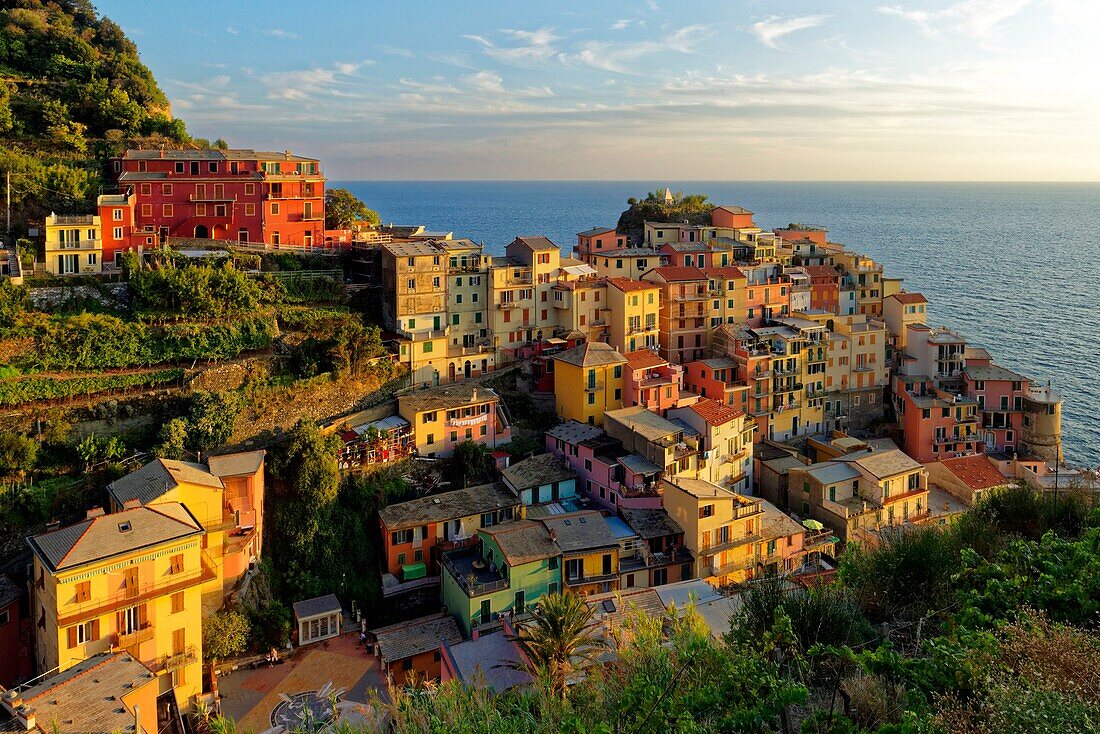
650	381
732	217
410	651
683	322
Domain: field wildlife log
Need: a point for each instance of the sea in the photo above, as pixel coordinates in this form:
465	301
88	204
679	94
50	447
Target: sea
1014	267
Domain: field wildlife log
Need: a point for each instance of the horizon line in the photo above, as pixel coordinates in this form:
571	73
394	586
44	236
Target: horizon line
718	180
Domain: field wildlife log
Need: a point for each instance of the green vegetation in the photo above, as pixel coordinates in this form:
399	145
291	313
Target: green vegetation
690	208
471	464
224	635
343	209
560	639
32	389
72	93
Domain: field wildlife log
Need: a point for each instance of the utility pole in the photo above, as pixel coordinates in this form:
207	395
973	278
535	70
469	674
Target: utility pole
7	175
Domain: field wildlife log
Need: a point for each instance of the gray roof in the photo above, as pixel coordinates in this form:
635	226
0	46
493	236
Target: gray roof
537	242
235	465
644	422
829	472
591	354
406	639
522	541
486	660
595	231
991	372
573	431
110	535
9	591
777	524
316	606
580	531
884	464
87	698
650	523
157	477
451	396
538	471
614	608
639	464
448	506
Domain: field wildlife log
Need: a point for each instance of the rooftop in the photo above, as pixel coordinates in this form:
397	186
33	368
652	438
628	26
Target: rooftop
235	465
678	273
591	354
9	591
415	249
643	359
115	534
883	464
448	505
157	478
316	606
444	398
701	489
87	698
627	285
595	231
406	639
713	412
639	464
976	472
829	472
909	298
536	243
537	471
776	523
734	209
580	531
644	422
650	522
573	431
213	154
522	541
991	373
492	659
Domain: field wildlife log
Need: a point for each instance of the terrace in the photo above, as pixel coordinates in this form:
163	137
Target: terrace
472	574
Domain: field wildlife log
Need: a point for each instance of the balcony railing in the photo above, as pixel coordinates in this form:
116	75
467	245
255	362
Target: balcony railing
581	579
707	550
472	582
215	198
506	304
178	660
135	638
78	245
135	595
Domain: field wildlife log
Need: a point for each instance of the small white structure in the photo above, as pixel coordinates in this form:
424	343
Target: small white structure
318	619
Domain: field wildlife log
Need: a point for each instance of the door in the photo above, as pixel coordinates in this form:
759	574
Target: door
520	602
435	322
308	210
131	577
201	233
467	369
486	611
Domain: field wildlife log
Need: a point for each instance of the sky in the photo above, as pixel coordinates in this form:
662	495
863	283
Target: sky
935	90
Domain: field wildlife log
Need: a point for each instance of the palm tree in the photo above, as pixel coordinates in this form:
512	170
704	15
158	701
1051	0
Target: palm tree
559	638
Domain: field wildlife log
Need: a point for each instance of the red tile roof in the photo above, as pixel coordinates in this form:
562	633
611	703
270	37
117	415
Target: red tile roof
714	412
910	298
627	284
643	359
820	271
672	273
727	273
976	472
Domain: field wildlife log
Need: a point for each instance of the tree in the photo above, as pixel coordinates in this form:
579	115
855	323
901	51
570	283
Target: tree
213	418
17	454
173	439
471	463
560	638
343	208
224	635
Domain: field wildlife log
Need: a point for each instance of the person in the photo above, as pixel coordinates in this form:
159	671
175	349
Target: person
362	638
272	657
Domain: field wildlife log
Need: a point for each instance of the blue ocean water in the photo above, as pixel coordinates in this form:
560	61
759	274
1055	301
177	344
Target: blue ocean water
1014	267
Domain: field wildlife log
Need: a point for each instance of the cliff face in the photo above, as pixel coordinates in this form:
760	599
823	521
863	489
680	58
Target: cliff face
73	92
691	208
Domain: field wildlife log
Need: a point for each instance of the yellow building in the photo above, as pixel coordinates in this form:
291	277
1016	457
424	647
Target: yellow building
628	262
635	307
582	308
130	580
588	380
414	304
865	276
74	245
444	417
226	496
721	528
726	438
589	552
470	352
726	290
521	299
899	310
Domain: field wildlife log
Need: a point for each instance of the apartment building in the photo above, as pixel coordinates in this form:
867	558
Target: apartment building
725	437
856	371
899	311
864	275
727	294
718	380
672	447
443	417
650	381
661	557
588	381
935	422
414	305
598	240
130	581
240	195
1000	394
225	495
606	472
589	552
629	262
74	245
522	284
683	312
824	283
634	310
544	479
581	308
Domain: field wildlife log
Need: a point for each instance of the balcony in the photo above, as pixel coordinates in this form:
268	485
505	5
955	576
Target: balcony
472	580
422	336
742	564
169	663
709	550
79	245
135	638
472	420
135	595
581	579
506	304
212	198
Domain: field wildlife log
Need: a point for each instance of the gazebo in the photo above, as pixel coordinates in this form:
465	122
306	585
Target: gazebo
318	619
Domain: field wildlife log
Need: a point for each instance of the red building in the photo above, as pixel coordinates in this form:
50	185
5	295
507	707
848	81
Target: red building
15	635
735	217
240	195
824	287
1000	394
935	424
598	240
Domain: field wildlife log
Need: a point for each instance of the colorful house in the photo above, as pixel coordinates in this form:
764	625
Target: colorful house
513	564
935	423
1000	394
725	442
635	307
130	581
607	473
74	245
410	652
589	551
15	634
588	380
717	379
683	319
226	496
443	417
540	480
414	533
651	381
662	557
599	240
968	478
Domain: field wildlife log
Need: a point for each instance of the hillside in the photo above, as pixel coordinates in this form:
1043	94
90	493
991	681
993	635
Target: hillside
73	91
690	208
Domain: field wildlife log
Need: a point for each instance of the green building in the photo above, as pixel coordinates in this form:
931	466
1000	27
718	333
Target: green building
512	566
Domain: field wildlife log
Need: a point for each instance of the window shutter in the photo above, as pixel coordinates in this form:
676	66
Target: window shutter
95	630
72	637
120	621
142	618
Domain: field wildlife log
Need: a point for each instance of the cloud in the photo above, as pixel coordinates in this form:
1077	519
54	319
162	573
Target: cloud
305	84
620	24
980	19
281	33
772	28
232	31
527	47
621	58
492	83
396	51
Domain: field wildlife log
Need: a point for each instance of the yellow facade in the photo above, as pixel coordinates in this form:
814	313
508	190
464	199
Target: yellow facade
630	263
588	381
593	580
74	245
444	417
865	275
722	529
146	600
635	310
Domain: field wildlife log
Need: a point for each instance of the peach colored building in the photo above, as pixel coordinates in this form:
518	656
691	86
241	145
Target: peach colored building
683	324
650	381
717	379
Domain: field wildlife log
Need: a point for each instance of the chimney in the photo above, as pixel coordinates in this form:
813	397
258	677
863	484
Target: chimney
137	720
13	699
475	633
53	525
131	504
553	534
96	511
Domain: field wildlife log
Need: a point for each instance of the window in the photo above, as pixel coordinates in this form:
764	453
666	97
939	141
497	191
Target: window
249	189
574	569
146	210
180	167
92	258
166	189
706	511
276	238
83	591
177	602
129	620
200	210
400	537
166	210
250	210
176	564
274	207
4	618
618	371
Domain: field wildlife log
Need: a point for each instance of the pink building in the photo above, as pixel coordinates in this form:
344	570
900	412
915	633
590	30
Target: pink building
607	473
935	424
650	381
1000	394
734	217
689	254
599	240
